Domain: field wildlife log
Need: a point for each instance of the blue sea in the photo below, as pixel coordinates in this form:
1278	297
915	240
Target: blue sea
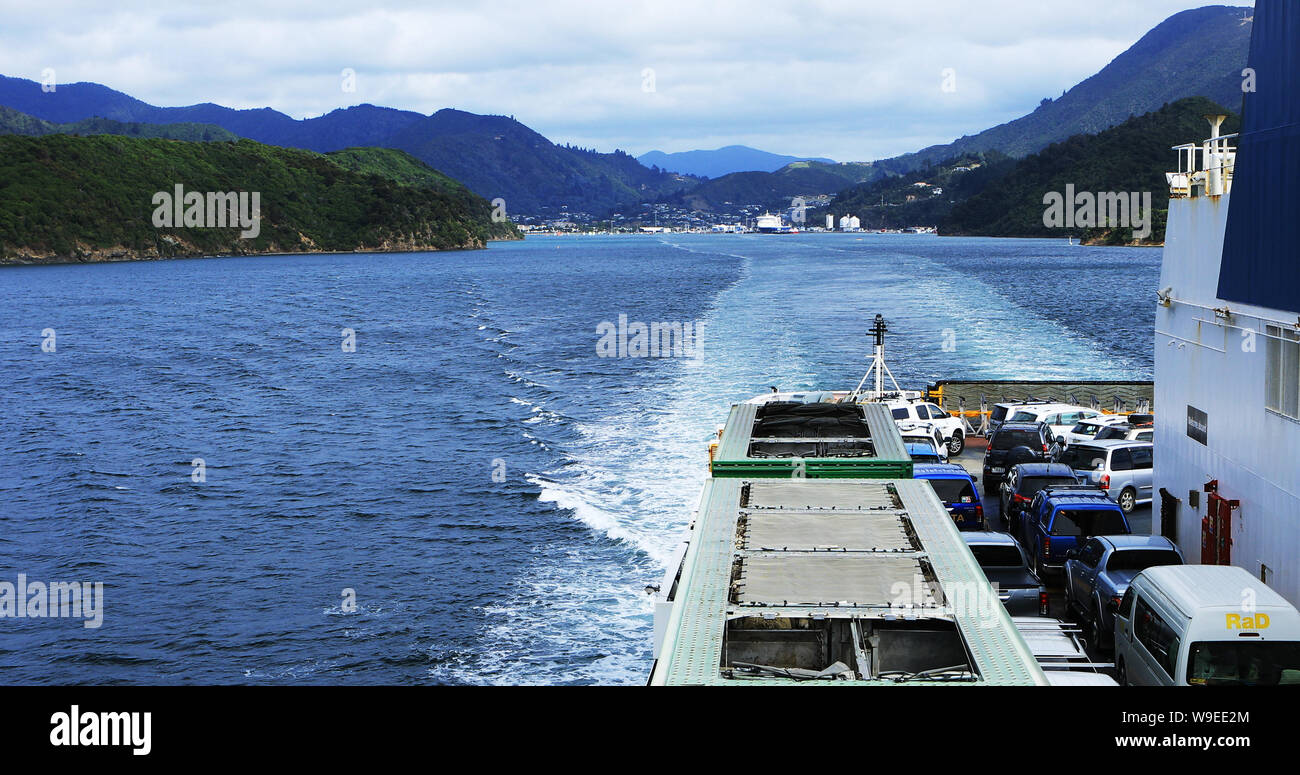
472	495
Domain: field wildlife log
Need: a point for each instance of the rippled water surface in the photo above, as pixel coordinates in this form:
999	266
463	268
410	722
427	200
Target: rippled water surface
374	470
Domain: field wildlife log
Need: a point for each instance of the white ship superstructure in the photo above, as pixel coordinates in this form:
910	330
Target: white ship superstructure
1227	441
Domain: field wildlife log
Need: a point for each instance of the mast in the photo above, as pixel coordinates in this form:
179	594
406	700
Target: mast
878	367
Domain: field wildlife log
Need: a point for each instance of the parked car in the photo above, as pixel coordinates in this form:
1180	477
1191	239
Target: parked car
1001	413
1098	573
956	489
1023	482
1181	625
1087	430
1016	443
925	433
1061	417
1122	468
907	411
1126	432
923	451
1058	519
1004	563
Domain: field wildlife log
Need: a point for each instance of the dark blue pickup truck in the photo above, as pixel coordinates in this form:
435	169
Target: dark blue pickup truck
1060	519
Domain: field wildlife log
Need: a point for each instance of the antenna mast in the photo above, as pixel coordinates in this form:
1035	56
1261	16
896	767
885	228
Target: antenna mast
878	367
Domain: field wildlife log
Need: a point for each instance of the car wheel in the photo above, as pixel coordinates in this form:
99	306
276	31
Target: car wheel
1094	630
956	444
1128	500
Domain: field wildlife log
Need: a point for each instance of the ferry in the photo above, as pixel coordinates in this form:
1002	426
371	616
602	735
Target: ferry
1227	342
767	223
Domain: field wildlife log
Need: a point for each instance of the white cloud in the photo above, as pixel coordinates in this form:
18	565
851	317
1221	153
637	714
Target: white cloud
851	80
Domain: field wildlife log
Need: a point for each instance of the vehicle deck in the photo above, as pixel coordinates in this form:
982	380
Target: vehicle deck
865	579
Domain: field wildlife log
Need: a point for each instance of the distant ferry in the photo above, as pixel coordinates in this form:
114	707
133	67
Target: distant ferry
772	224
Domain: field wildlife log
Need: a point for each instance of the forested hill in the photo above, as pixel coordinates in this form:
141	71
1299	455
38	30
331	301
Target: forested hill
66	198
1131	157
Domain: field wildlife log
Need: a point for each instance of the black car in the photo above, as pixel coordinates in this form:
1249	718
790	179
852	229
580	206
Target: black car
1023	482
1014	443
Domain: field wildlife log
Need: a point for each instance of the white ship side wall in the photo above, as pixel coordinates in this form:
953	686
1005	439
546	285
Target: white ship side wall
1206	362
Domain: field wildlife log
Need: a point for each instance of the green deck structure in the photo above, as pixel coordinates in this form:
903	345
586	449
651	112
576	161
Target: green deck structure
882	454
865	578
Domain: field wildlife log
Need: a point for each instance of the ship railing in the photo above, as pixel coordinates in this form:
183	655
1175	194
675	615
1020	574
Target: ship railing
1204	169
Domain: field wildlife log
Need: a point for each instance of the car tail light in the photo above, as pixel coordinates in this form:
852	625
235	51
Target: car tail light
1047	547
1105	482
1115	600
979	511
1018	498
1042	603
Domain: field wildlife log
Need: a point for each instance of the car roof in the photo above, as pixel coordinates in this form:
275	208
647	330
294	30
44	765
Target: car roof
988	538
1122	542
1052	407
939	471
1018	426
1211	585
1112	443
1044	469
1078	498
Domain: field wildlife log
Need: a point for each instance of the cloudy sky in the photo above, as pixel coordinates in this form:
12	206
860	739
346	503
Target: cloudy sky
849	80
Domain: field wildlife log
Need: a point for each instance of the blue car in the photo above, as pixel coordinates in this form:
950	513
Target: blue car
956	489
1061	519
1098	573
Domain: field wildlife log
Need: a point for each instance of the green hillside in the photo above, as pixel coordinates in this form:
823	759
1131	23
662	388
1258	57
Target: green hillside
920	198
1132	157
65	198
13	122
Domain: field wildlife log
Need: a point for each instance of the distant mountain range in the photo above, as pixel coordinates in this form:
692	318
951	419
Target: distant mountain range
1196	53
1193	53
494	156
722	161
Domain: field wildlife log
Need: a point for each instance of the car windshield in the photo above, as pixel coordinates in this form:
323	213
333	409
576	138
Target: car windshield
998	556
1082	458
952	491
1244	663
1023	416
1009	439
1030	485
1088	522
1141	559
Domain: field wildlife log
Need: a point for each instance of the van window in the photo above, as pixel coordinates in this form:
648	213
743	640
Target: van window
1121	460
1088	522
1159	639
1248	663
1142	458
1126	604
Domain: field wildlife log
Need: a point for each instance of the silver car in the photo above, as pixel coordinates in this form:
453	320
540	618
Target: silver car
1121	468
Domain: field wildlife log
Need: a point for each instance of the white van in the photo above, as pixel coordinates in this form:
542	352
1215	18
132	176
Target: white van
1205	625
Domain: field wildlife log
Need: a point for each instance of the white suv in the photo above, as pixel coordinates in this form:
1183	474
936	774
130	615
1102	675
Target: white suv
1087	430
910	413
1062	417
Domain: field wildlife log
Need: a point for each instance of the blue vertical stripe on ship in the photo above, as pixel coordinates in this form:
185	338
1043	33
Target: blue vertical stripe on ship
1262	242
